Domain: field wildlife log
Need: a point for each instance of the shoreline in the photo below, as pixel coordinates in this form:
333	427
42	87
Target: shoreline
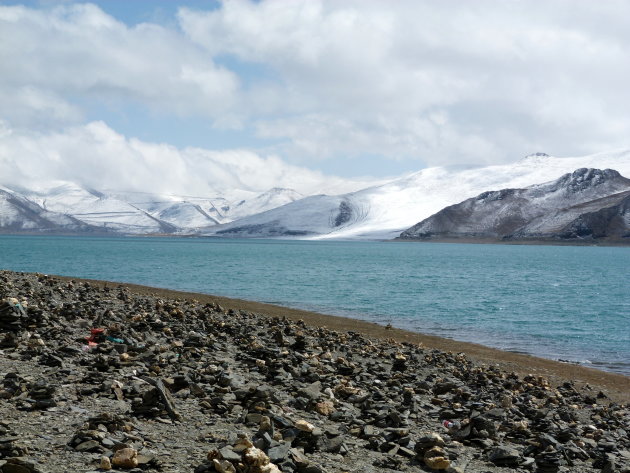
617	386
491	241
147	379
614	243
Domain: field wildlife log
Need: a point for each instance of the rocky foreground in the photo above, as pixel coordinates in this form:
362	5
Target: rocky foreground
96	378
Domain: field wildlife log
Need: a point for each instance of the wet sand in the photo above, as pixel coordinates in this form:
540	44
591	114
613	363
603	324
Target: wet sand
616	386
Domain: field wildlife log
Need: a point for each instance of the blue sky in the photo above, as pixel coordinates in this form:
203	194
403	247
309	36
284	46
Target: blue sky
132	12
324	89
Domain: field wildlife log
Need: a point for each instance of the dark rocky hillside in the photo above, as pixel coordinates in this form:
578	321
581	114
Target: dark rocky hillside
586	205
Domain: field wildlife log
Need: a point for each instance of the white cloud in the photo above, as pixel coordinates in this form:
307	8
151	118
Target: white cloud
79	52
28	106
445	82
97	156
510	76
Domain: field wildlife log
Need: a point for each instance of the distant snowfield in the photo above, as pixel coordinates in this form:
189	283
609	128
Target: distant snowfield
383	212
378	212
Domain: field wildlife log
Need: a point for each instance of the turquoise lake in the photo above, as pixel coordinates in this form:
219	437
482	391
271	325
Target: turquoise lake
558	302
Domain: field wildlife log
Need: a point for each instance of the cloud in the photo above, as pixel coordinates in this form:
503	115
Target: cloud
27	106
80	53
94	155
433	83
508	77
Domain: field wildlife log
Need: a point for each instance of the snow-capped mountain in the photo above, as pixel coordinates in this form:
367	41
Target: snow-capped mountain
377	212
18	214
584	204
311	216
74	208
98	209
386	210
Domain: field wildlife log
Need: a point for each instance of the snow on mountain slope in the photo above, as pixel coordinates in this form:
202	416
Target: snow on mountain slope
18	214
271	199
185	213
380	211
136	212
310	216
538	211
385	211
98	209
195	212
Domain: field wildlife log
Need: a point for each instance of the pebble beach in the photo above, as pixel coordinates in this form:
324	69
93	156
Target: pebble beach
102	376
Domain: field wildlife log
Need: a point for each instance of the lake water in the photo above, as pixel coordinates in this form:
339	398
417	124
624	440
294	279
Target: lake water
558	302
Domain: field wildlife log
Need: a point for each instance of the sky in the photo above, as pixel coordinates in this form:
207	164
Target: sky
317	95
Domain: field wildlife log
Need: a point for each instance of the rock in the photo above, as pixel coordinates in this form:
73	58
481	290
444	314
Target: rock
126	458
13	468
105	464
312	391
227	453
454	469
223	466
43	394
304	426
253	418
428	441
364	404
255	457
270	468
12	315
325	408
298	458
88	446
20	465
504	456
436	458
279	453
549	462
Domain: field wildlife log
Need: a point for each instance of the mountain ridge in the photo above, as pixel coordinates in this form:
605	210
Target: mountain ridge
380	211
70	208
386	210
585	204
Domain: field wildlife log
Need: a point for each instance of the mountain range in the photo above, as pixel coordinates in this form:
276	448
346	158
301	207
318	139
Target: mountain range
384	211
70	208
378	212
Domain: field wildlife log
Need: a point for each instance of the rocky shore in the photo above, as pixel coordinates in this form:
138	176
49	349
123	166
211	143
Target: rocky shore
107	377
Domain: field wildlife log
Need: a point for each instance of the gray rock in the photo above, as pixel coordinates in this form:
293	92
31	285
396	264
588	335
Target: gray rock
503	455
279	453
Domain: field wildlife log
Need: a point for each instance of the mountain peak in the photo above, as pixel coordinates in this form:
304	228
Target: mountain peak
538	155
584	178
279	191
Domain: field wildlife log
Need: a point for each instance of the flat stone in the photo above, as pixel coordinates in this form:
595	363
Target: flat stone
228	454
13	468
87	446
312	391
279	454
107	442
504	455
